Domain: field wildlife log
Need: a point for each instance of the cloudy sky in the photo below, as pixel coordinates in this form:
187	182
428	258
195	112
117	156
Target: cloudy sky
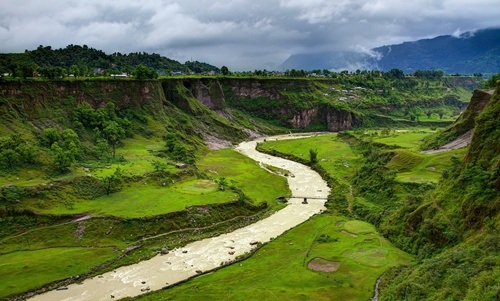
241	34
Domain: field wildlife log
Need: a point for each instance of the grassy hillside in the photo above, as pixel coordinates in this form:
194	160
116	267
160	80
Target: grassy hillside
90	167
464	123
467	267
351	253
121	169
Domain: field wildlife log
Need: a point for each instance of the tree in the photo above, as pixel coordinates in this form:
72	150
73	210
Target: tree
62	159
113	183
50	135
113	133
143	72
9	159
74	70
313	156
224	70
159	166
395	74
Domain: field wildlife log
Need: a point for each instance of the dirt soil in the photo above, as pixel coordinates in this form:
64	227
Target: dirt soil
461	142
323	265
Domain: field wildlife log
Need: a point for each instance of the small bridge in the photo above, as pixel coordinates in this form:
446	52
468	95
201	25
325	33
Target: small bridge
284	199
308	197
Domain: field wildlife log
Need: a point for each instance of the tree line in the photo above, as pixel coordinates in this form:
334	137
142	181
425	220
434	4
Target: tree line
75	60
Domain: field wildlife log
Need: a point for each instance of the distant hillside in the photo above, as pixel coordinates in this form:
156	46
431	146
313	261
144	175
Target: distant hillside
86	59
477	52
468	53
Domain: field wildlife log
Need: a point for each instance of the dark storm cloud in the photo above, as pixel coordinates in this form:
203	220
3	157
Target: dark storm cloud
242	34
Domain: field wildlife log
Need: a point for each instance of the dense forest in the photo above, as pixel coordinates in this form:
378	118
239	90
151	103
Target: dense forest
78	60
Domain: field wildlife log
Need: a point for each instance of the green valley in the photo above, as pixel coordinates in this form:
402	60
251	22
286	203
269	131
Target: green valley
98	173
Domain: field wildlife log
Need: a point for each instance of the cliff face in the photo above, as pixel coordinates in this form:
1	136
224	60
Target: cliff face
484	148
292	102
43	104
464	123
339	120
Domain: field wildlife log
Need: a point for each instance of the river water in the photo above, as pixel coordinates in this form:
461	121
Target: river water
208	254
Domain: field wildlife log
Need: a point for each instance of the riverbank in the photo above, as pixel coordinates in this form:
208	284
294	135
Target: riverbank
208	254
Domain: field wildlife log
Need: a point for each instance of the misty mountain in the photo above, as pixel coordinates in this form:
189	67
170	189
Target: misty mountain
467	53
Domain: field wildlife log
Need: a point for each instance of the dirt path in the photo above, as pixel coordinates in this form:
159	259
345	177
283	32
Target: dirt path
461	142
83	218
208	254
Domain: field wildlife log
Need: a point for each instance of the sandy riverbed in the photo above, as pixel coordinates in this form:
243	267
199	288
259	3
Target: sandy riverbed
207	254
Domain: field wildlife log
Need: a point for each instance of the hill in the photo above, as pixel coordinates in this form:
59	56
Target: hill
122	169
83	61
459	220
468	53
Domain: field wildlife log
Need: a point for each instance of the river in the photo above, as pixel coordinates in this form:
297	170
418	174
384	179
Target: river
207	254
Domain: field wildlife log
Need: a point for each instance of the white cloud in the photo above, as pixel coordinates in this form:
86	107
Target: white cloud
242	34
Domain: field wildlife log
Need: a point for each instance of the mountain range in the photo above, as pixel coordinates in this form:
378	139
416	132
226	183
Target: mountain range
467	53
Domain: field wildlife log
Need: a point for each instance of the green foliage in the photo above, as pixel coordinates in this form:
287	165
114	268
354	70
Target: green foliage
103	123
16	152
491	83
313	156
11	194
428	74
374	180
199	67
87	61
467	272
142	72
113	183
176	148
485	149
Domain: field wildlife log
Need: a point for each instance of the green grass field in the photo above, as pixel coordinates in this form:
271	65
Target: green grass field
136	151
279	270
144	199
149	198
24	270
257	183
335	156
412	165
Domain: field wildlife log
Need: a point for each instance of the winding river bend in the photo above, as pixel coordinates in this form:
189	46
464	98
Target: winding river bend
208	254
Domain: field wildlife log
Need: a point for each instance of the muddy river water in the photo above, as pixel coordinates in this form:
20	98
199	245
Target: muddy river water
208	254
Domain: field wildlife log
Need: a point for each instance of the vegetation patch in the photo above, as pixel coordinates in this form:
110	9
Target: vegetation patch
373	257
359	227
25	270
279	270
198	187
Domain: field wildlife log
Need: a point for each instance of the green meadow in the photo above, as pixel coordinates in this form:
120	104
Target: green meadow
281	269
21	271
340	160
44	254
258	184
334	155
412	165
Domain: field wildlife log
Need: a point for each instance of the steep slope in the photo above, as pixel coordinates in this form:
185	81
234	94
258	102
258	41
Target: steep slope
458	222
464	124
